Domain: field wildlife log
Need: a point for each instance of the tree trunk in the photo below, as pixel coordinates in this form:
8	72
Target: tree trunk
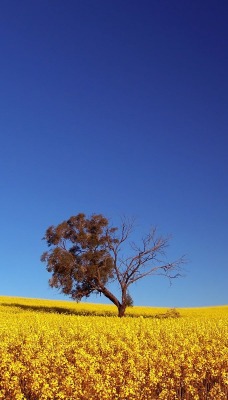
121	307
112	298
121	310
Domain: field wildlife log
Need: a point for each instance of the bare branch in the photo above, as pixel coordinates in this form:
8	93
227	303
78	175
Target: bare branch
168	270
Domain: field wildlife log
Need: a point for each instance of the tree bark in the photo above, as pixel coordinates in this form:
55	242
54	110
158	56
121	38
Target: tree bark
109	296
121	306
121	310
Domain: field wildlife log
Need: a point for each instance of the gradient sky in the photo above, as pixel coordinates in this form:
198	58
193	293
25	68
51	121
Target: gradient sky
116	107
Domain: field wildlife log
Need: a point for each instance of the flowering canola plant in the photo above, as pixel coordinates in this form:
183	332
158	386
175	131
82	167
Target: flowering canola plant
52	350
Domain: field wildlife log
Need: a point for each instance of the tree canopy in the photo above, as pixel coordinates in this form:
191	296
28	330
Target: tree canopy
86	254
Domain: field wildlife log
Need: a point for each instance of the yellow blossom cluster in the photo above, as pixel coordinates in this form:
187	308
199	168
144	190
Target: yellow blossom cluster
47	355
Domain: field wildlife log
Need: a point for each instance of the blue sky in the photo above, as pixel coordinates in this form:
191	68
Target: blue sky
116	107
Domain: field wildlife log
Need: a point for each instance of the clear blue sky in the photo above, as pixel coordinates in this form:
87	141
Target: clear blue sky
116	107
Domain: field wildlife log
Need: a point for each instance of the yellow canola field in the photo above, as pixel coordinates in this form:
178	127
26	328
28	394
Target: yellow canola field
48	351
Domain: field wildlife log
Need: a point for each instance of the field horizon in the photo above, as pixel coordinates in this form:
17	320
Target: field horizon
91	308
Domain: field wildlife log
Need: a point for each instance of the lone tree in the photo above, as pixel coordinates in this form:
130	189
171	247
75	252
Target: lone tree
88	253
